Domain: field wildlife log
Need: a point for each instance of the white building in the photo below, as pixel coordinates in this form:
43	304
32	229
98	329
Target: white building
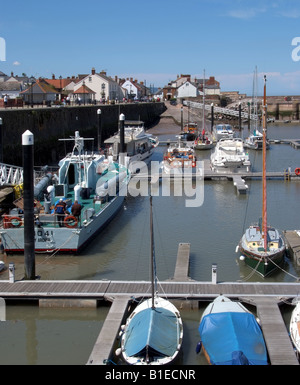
187	90
105	88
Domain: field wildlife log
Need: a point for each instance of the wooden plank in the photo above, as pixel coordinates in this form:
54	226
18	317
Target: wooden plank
182	263
277	340
105	342
188	289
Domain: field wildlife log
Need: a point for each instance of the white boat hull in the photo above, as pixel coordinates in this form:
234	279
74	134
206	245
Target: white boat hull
147	304
63	239
295	327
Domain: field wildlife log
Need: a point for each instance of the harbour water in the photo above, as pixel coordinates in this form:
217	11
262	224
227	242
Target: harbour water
121	252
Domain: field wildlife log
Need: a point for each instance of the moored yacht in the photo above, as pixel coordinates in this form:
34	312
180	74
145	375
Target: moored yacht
230	154
138	144
222	131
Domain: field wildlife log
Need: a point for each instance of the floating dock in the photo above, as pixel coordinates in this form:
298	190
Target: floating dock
292	238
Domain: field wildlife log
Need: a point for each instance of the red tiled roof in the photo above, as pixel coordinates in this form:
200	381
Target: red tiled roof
44	87
84	90
59	83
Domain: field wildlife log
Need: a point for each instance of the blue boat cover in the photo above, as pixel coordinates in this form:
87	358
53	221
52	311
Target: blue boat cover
156	328
231	338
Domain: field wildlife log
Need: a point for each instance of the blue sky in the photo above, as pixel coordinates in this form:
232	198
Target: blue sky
156	40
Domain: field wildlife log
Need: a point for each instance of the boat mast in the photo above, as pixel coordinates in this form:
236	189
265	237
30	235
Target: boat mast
152	253
203	117
254	101
264	180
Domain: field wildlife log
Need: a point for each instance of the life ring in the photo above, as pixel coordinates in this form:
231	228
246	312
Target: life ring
70	221
12	222
297	171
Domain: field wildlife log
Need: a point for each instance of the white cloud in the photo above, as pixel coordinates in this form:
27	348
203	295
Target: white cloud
245	13
16	63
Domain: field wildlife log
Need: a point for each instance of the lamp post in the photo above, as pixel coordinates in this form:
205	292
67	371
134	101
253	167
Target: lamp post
83	88
1	144
60	89
212	117
181	118
240	116
99	128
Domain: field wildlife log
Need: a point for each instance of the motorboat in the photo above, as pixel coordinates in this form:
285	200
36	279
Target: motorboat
230	154
179	157
221	131
231	335
255	141
139	145
191	127
98	184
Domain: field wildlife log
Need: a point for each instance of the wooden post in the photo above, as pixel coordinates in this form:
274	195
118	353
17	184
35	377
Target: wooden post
27	142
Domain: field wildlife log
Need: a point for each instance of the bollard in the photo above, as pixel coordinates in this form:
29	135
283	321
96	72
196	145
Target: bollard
214	273
11	268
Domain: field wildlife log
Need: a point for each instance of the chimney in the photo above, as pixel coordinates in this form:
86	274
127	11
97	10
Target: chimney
53	76
93	71
11	74
116	78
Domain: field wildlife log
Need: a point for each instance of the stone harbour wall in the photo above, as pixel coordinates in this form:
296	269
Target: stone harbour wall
50	124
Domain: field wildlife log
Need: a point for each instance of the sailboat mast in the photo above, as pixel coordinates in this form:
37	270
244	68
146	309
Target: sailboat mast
152	253
264	176
203	117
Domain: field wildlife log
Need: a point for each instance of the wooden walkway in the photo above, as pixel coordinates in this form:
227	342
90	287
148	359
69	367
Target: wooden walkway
265	296
172	289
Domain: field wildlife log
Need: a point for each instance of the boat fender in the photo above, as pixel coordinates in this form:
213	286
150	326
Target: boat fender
297	171
242	258
198	347
70	221
118	352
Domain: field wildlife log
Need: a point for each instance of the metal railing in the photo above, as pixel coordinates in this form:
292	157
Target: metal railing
221	110
10	174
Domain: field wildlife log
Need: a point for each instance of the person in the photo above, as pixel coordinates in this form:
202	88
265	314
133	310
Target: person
76	210
5	101
60	211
